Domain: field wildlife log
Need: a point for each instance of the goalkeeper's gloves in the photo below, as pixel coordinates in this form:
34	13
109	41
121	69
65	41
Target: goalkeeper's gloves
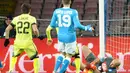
91	66
41	37
6	43
88	28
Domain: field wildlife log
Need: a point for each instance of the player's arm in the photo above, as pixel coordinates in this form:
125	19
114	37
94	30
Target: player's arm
79	25
35	29
48	32
50	27
7	32
77	60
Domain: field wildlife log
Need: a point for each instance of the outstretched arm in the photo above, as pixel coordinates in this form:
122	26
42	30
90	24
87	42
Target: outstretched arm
79	25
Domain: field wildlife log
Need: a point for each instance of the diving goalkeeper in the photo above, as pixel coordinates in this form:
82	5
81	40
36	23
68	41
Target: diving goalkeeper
109	65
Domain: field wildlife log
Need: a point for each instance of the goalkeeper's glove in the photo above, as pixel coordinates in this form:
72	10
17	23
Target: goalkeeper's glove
88	28
41	37
6	43
91	66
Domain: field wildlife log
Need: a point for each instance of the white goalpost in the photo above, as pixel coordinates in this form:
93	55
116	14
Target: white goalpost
101	29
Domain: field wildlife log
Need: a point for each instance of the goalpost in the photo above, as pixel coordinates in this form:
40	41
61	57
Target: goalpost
102	24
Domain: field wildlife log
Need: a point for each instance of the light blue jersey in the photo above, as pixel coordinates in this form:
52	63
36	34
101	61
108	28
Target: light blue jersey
66	19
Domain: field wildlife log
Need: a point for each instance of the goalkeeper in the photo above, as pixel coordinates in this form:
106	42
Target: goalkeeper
24	24
109	65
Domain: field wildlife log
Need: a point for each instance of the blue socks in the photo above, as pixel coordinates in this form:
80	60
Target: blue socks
1	65
58	62
65	64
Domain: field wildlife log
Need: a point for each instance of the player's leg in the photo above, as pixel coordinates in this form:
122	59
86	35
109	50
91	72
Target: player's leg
60	57
70	50
58	62
77	60
13	61
65	63
87	53
90	58
33	55
36	64
1	65
77	63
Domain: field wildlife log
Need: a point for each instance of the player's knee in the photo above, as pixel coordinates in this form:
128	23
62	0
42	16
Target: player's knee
90	58
16	55
69	55
34	56
76	56
85	48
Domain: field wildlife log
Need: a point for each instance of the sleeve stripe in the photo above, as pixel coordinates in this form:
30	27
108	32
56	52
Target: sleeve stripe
12	25
33	23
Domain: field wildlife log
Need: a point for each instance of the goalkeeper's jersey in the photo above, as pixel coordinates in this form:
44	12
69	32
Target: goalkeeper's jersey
23	25
107	61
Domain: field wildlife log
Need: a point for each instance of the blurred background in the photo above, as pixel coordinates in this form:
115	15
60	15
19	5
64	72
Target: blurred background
117	27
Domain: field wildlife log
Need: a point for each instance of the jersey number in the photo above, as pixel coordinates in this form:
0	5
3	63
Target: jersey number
64	21
22	27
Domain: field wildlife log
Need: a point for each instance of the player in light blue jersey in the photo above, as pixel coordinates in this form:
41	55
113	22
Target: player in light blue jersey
66	19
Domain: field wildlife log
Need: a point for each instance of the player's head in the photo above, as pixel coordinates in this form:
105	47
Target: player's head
115	63
26	8
66	2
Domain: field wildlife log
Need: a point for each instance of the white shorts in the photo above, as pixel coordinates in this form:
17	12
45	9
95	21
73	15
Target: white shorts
68	48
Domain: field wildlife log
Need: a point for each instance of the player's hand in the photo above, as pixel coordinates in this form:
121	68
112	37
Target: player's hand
90	66
92	28
49	42
89	28
6	43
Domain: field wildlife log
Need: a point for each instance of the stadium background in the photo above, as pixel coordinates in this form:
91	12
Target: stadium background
117	30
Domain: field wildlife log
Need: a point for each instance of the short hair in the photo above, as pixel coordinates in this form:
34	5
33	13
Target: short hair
66	2
9	17
25	8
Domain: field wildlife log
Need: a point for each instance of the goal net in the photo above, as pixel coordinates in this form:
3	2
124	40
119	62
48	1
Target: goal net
118	32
